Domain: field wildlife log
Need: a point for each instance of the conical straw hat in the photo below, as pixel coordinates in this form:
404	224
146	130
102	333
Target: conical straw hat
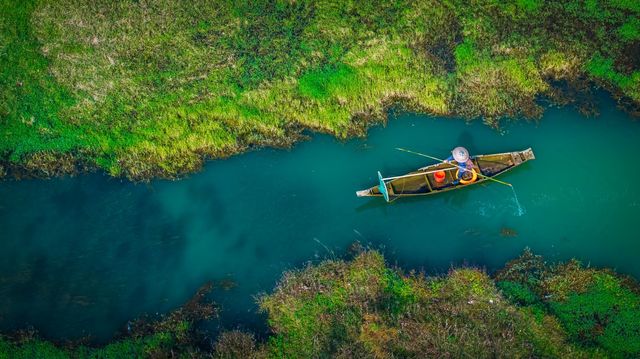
460	154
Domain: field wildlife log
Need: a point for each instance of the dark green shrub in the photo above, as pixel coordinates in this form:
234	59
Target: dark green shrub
517	293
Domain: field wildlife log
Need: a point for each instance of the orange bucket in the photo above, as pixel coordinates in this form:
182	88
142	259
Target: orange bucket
439	176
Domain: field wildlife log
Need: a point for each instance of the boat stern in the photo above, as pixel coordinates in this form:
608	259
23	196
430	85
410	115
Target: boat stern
522	156
364	193
528	154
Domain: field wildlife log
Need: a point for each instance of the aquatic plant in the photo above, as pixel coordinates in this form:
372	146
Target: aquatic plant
529	269
162	337
364	309
597	309
31	349
236	344
605	314
517	293
508	232
173	83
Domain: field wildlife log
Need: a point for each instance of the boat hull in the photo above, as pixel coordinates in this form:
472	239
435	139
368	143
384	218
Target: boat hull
423	182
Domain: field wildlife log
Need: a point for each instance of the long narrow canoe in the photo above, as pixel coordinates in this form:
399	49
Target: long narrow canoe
422	181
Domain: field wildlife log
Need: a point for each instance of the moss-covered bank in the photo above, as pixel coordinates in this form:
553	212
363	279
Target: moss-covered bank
363	308
151	88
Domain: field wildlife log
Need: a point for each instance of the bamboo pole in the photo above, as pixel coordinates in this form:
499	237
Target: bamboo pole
419	173
441	160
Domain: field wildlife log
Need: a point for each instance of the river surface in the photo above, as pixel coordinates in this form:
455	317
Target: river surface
80	256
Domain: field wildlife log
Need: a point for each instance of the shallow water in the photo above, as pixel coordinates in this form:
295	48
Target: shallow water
82	255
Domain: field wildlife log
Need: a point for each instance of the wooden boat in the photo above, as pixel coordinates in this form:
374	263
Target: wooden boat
423	181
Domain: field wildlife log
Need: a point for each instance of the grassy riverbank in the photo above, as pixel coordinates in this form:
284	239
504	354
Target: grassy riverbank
363	308
144	89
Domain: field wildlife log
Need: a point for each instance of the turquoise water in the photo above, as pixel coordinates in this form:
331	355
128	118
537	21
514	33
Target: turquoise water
80	256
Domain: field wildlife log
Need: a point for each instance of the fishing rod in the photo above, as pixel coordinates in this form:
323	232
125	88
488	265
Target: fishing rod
441	160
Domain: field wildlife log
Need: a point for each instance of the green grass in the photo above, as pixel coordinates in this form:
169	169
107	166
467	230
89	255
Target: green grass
362	308
30	98
321	84
466	53
173	82
630	30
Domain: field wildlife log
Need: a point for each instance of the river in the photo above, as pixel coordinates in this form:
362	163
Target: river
82	255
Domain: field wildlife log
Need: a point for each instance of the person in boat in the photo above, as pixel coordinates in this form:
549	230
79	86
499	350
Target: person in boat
461	156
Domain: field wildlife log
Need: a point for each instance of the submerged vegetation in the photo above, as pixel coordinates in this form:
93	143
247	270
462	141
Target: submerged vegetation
151	88
363	308
162	337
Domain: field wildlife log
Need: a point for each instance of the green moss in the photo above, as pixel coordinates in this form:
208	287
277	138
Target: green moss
605	314
466	54
323	83
32	349
622	335
630	5
517	293
630	30
594	10
529	5
602	68
399	293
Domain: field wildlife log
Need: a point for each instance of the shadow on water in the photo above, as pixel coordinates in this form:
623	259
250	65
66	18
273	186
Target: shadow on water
240	243
76	256
378	202
466	139
371	203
